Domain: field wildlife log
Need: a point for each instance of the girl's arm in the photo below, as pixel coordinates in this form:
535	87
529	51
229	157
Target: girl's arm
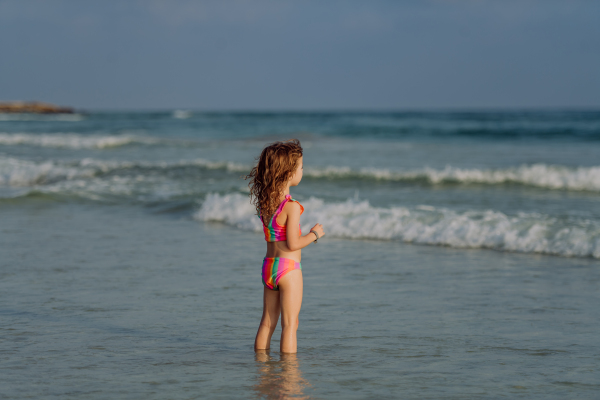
294	240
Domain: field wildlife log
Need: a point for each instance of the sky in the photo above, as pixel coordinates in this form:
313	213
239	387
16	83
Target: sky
301	55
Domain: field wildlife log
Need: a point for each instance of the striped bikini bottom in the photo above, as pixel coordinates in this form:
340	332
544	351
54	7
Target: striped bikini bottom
275	268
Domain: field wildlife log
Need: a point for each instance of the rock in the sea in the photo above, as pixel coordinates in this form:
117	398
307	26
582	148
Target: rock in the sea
33	107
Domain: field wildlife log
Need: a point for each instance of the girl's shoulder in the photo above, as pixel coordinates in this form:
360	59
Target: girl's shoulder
293	205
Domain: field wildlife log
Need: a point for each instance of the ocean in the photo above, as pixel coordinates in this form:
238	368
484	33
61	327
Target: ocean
461	257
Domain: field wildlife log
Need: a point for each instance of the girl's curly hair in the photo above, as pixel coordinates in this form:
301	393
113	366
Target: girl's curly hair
276	165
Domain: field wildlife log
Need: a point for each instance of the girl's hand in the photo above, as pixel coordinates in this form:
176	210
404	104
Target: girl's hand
319	229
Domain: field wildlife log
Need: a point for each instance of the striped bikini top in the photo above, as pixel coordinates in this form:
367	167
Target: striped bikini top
275	232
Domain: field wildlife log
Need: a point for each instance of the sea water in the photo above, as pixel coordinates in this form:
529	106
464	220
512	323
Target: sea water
461	257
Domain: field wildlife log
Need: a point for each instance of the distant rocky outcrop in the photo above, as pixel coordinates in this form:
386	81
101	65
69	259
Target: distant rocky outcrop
33	107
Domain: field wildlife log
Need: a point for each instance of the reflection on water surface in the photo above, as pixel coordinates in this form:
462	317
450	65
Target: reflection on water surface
279	377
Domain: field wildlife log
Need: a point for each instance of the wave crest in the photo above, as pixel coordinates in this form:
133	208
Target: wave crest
72	140
554	177
18	172
525	232
536	175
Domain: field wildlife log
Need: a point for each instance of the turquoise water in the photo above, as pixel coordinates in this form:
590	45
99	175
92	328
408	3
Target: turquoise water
461	259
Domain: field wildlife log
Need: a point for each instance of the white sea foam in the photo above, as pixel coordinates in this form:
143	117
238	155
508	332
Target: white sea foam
182	114
18	172
134	188
72	140
524	232
84	179
538	175
106	166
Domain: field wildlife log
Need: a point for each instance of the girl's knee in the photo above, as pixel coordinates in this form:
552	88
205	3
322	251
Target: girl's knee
292	324
268	325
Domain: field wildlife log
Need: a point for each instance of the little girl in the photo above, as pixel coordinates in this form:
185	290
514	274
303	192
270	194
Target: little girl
279	167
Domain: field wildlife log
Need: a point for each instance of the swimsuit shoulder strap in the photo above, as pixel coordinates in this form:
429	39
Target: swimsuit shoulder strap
280	208
277	211
301	208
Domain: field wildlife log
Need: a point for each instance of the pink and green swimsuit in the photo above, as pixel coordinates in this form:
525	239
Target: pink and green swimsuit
274	268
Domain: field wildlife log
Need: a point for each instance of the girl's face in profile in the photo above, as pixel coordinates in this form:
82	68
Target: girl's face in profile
297	177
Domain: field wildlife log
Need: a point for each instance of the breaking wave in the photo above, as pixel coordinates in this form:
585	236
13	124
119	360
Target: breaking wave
537	175
182	114
100	180
18	172
524	232
554	177
72	140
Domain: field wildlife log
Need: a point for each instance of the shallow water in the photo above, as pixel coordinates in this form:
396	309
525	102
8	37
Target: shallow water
118	301
461	257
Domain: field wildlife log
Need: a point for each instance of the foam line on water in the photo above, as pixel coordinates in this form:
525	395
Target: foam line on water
19	172
73	140
523	232
536	175
553	177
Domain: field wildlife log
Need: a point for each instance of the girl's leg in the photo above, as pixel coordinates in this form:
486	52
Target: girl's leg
290	288
268	322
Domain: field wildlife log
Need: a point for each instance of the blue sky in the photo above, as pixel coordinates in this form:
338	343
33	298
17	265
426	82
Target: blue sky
304	55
